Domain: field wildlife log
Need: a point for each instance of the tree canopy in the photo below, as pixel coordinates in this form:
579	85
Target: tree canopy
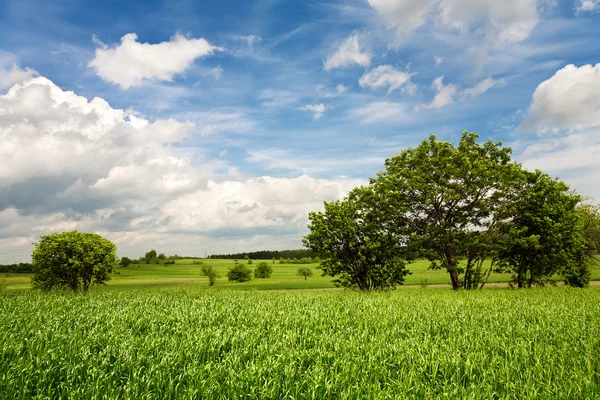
468	208
72	260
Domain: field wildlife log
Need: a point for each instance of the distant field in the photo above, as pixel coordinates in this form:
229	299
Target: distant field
189	343
284	276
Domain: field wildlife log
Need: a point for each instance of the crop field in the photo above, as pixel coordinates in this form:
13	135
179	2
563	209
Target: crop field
284	276
186	342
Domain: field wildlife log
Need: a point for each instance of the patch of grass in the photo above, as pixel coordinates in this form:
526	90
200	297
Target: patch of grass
191	342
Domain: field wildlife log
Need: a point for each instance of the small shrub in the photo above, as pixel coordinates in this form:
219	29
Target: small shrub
263	270
249	262
239	273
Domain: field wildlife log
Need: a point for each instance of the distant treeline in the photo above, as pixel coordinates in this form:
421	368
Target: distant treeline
20	268
269	254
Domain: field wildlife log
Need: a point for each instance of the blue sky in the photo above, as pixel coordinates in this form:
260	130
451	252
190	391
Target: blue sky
216	126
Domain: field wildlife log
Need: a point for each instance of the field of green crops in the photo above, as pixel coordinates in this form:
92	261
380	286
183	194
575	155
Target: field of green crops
189	342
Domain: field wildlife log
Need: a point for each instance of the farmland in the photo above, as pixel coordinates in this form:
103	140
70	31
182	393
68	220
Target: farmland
284	276
187	342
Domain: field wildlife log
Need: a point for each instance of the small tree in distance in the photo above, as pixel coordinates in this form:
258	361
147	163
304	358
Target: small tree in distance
210	273
125	261
263	270
305	272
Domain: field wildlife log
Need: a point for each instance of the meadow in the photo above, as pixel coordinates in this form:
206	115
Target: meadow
189	342
284	276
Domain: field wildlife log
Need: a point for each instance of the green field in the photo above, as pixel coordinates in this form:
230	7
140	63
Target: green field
187	342
284	276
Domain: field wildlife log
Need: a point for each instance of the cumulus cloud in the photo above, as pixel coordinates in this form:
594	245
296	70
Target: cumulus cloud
386	75
318	110
500	22
131	63
255	203
567	101
348	54
9	77
73	163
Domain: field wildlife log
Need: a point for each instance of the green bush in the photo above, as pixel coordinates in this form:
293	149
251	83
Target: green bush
239	273
263	270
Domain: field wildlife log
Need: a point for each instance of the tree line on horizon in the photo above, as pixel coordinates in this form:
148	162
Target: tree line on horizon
268	255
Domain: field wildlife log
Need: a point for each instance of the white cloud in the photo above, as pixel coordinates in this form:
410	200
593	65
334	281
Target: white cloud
386	75
228	120
482	87
277	98
569	101
262	202
347	55
73	163
381	111
317	109
9	77
588	6
251	40
216	72
446	94
500	22
325	93
438	61
131	63
223	153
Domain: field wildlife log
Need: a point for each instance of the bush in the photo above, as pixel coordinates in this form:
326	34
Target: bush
239	273
249	262
263	270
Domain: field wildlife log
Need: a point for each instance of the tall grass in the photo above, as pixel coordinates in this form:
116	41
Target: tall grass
186	343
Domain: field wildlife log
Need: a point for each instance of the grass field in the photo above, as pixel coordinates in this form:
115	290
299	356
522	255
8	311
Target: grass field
284	276
187	342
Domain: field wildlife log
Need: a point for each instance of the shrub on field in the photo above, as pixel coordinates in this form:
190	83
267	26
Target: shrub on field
125	261
72	260
305	272
239	273
210	273
263	270
249	262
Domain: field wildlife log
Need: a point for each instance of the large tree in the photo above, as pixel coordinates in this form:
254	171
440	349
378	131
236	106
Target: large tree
445	202
72	260
353	244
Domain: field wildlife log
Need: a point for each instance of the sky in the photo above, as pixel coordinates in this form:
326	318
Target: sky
215	127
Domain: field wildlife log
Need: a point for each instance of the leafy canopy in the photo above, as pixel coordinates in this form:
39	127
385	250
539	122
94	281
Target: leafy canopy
72	260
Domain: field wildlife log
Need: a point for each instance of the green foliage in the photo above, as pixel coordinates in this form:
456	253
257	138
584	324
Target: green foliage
578	273
210	273
436	195
249	262
305	272
150	255
191	343
125	261
161	257
246	257
263	270
355	248
543	233
72	260
239	273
